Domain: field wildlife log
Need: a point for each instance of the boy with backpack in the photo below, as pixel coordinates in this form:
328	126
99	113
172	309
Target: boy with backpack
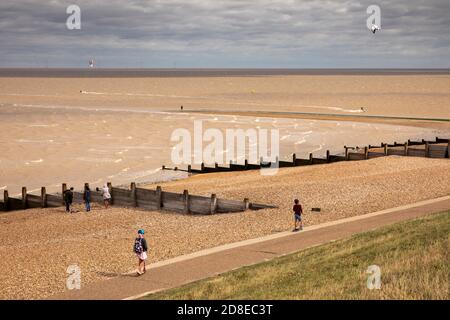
140	248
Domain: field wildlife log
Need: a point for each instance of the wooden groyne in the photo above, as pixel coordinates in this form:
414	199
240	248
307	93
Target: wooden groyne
438	148
135	197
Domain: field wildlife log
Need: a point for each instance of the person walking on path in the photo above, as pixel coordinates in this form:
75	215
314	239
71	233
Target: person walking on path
68	199
141	248
106	196
298	211
87	198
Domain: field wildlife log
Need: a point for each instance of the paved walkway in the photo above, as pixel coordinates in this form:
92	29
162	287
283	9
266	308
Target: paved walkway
207	263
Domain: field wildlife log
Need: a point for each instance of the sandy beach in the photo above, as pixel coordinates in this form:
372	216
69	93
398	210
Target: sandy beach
95	130
100	243
390	95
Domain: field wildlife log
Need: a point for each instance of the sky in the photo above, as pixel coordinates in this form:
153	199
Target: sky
225	34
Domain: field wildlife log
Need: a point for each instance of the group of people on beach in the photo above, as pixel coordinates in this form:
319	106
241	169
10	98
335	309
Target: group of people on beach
140	247
68	198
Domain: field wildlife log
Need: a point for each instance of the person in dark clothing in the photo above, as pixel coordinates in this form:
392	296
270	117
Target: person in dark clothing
68	199
141	248
87	198
298	211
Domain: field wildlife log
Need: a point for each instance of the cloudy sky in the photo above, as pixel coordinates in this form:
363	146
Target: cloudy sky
226	33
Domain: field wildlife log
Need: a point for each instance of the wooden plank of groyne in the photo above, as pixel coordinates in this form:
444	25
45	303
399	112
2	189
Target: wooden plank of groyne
15	204
186	202
147	199
302	162
199	204
133	194
5	200
24	198
285	164
34	201
441	140
78	197
123	197
43	197
397	151
414	152
372	155
172	201
253	166
352	156
438	151
96	196
54	200
213	204
237	167
258	206
224	206
319	161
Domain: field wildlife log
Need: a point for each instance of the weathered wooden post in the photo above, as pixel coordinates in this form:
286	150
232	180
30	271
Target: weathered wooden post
24	197
159	203
213	204
110	187
311	159
216	165
246	164
328	156
406	149
294	159
366	153
189	168
202	167
385	149
427	149
63	190
346	152
6	199
186	202
43	197
175	169
246	204
163	167
133	194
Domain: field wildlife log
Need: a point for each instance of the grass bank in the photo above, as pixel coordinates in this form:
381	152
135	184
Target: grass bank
413	257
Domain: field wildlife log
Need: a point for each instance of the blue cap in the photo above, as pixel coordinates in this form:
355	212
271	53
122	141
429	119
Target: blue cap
141	231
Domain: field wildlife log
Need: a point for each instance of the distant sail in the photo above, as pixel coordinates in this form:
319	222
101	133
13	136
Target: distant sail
91	63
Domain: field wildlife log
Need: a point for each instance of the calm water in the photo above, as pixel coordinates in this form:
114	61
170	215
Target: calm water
167	73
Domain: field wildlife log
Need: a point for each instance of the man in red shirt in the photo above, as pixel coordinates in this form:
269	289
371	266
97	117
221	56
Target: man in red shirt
298	211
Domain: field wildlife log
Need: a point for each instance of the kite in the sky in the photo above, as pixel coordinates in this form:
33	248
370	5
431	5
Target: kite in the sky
375	28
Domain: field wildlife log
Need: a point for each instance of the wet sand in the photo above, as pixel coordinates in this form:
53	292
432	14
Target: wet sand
390	95
119	129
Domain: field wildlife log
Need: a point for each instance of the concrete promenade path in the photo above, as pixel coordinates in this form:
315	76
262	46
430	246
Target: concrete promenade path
210	262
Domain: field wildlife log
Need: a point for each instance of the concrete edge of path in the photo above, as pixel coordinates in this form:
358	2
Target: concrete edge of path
277	236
